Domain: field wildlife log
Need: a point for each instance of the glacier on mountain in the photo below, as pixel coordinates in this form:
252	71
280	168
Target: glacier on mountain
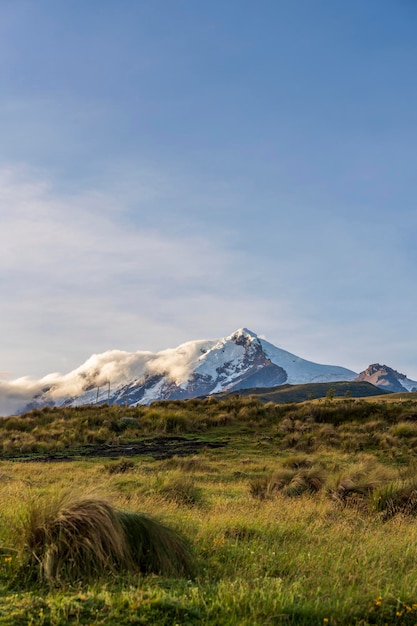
196	368
239	361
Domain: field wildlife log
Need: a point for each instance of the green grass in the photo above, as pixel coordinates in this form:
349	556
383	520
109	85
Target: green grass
333	540
299	393
302	427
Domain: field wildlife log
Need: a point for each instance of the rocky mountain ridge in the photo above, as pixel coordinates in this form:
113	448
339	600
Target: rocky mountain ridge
196	368
239	361
387	378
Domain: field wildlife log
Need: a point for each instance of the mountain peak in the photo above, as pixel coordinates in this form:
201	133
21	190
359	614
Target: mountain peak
243	333
385	377
196	368
376	367
202	367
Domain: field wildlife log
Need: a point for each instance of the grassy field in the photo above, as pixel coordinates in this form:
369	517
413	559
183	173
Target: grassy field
303	514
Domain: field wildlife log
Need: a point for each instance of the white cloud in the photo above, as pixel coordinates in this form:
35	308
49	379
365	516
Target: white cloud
113	366
79	276
14	394
85	273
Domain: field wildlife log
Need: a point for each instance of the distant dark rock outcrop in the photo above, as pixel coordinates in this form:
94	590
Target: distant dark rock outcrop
386	378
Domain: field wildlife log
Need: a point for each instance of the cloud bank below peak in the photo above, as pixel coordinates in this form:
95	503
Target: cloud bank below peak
80	275
113	366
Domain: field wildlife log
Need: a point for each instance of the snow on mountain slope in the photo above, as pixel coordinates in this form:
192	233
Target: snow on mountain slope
241	360
408	384
300	371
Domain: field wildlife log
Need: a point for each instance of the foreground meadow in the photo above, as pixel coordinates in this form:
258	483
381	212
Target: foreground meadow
299	517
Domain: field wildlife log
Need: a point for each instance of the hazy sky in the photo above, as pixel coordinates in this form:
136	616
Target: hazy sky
176	169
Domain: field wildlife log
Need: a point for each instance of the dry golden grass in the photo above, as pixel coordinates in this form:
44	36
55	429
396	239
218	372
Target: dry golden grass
65	540
300	556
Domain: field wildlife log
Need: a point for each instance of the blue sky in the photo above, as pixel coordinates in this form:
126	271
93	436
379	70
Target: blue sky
177	169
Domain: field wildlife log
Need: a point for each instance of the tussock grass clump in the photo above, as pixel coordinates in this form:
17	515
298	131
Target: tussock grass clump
288	482
176	423
405	429
305	481
261	488
398	496
343	411
119	467
155	548
296	461
329	435
73	541
177	487
356	488
84	539
265	487
355	494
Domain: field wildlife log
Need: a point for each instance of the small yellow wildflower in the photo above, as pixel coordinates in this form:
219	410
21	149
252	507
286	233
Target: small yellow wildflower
398	613
325	620
378	601
7	559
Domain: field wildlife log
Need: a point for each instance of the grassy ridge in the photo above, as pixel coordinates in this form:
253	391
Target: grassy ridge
386	423
309	391
306	516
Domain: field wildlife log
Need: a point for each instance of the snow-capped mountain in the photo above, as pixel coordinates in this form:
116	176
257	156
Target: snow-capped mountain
387	378
196	368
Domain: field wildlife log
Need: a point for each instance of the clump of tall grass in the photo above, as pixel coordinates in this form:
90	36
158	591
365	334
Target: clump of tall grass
74	541
356	488
305	481
328	435
288	482
156	548
351	493
184	464
404	429
297	461
398	496
80	540
264	487
119	467
177	487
